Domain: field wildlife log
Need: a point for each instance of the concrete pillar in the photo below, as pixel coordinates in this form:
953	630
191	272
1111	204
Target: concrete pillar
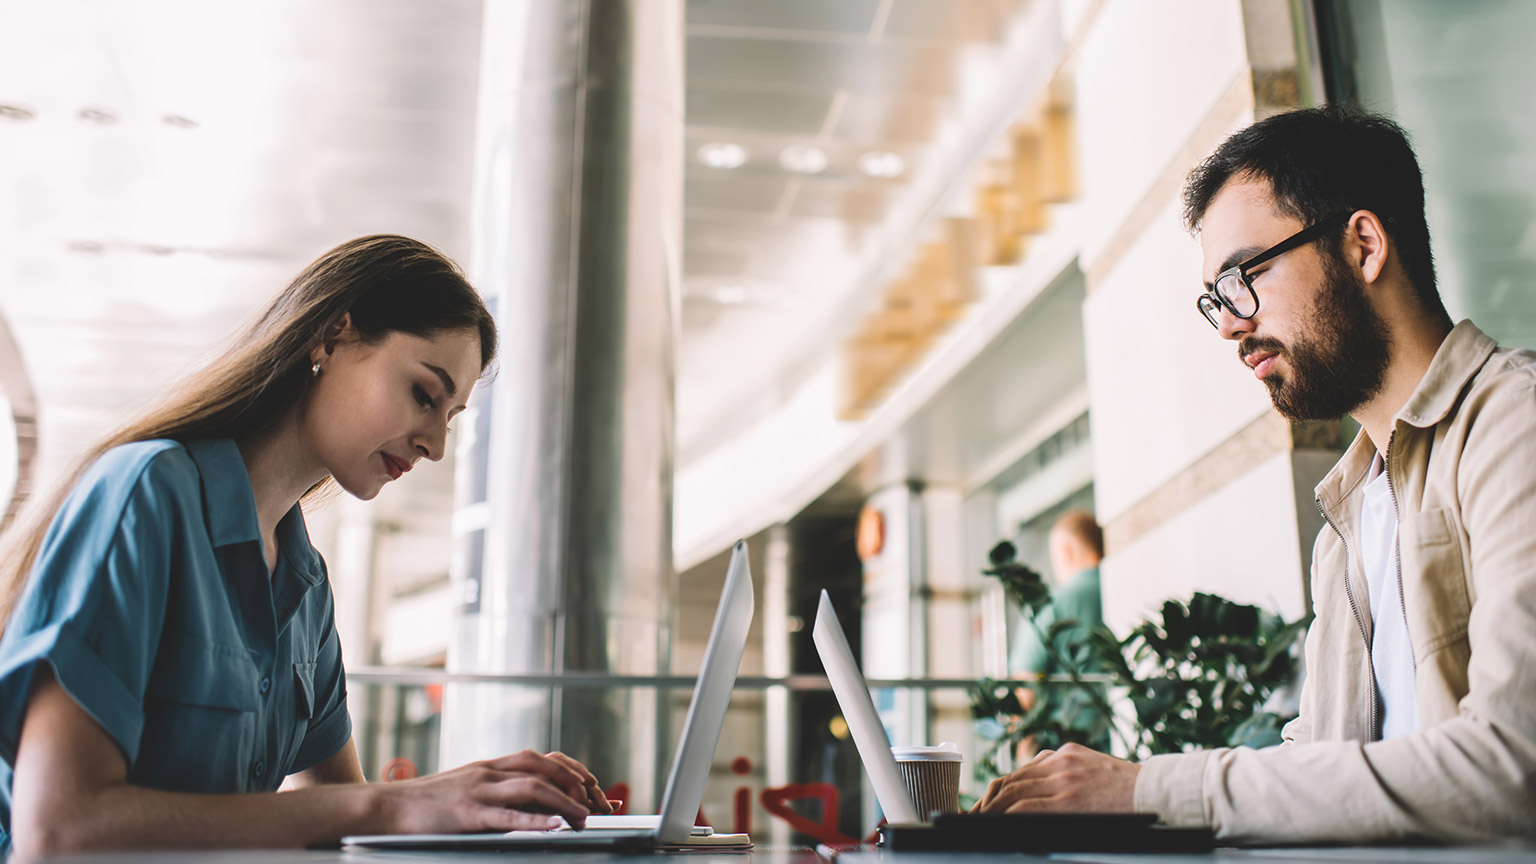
563	559
20	428
778	727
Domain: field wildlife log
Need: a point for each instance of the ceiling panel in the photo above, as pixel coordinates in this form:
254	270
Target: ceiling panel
721	190
872	118
953	20
700	313
701	260
714	231
791	113
845	201
922	68
848	17
813	242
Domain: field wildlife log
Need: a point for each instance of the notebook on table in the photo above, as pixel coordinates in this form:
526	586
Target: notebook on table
690	767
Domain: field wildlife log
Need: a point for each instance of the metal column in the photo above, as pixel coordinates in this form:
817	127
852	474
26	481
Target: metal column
564	488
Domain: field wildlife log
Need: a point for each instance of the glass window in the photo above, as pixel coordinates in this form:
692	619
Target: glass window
1458	77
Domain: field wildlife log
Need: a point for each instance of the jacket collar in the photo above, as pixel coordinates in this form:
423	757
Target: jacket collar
229	507
1458	359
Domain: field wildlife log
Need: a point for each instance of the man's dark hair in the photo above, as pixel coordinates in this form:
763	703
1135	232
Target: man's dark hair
1323	161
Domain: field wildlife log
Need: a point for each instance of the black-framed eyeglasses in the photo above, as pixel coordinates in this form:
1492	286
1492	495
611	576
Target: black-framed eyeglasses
1233	287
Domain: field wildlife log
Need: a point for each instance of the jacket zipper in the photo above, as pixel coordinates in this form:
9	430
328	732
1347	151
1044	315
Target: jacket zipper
1355	607
1397	541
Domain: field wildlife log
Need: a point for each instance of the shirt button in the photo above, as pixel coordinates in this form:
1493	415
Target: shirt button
259	768
266	685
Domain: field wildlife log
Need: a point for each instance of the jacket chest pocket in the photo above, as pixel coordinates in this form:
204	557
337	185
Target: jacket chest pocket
200	714
1434	580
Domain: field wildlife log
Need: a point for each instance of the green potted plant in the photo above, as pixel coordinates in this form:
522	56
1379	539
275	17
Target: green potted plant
1198	677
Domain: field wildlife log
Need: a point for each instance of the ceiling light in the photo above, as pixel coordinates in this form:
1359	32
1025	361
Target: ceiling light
878	163
85	247
731	295
723	154
179	121
15	112
803	159
97	116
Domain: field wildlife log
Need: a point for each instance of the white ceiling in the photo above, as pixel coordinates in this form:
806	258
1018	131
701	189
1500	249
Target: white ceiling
849	78
184	159
166	166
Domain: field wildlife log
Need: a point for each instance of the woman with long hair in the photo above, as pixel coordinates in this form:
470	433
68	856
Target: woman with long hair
166	628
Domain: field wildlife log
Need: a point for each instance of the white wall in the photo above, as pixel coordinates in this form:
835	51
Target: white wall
1158	86
1147	74
1164	387
1240	542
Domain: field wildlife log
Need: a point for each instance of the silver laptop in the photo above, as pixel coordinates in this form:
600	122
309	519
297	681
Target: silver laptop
859	710
690	767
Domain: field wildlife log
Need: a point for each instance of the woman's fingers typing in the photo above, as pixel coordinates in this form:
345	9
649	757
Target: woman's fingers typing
533	794
557	771
484	796
518	820
595	798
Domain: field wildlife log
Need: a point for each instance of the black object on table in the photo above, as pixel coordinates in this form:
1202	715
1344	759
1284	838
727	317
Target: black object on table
1041	833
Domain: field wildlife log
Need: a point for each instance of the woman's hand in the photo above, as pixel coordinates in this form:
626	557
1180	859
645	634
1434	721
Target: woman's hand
517	792
596	801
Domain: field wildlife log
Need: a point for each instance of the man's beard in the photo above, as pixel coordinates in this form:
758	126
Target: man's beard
1340	362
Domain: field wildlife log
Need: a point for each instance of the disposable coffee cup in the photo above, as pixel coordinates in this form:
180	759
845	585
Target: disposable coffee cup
932	775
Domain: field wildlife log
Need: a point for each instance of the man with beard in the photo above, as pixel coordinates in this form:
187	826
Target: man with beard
1418	712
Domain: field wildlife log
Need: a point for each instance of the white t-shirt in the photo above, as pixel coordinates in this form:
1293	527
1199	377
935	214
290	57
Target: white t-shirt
1391	652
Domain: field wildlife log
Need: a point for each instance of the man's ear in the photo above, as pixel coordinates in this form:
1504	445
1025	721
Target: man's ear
1366	244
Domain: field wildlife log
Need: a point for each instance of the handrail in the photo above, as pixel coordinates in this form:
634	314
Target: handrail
596	680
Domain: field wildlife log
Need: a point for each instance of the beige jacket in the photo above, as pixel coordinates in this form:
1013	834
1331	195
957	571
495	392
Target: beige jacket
1462	467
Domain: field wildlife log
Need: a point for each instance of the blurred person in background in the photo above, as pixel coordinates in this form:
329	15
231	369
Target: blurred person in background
1418	712
1076	545
169	656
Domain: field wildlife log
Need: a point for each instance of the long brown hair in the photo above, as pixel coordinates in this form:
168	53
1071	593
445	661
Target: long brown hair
386	283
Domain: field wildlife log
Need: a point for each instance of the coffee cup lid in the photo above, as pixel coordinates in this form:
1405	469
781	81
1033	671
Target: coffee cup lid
946	751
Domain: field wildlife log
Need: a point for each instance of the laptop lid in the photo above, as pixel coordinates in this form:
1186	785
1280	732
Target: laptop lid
711	696
859	710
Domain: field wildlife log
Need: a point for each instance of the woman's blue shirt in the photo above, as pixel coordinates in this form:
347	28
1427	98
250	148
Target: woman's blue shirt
151	600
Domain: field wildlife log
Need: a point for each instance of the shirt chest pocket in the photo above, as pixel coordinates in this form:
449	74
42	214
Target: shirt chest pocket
304	707
200	717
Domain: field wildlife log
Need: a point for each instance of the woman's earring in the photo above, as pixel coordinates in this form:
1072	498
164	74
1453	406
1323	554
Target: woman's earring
314	371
